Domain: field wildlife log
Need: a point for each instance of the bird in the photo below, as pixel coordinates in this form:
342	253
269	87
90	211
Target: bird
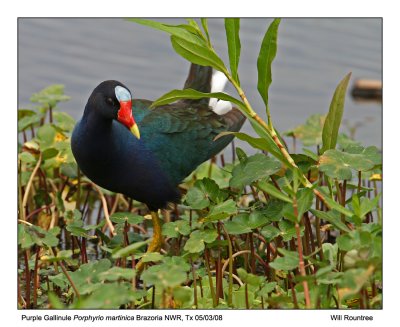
124	145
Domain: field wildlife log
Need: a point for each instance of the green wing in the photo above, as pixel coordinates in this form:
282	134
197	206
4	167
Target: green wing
182	136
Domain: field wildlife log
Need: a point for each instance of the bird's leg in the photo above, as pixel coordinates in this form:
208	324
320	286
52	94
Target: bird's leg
156	242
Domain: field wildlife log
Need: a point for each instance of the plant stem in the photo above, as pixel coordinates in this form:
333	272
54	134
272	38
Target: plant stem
28	186
194	284
206	261
36	277
230	262
69	279
27	281
301	259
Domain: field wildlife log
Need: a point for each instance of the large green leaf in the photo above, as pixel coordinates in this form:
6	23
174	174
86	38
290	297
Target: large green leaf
176	95
289	261
272	190
338	164
50	95
257	143
232	26
252	169
178	31
331	217
309	133
221	211
238	225
176	228
197	54
334	118
265	58
205	27
333	204
122	217
272	147
196	241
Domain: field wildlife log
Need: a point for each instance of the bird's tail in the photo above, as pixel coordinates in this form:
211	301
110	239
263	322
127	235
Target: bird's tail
199	79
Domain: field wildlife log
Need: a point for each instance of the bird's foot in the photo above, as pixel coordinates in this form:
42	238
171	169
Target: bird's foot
156	243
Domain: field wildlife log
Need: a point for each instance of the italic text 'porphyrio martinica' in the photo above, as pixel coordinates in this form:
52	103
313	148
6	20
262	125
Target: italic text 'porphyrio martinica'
124	146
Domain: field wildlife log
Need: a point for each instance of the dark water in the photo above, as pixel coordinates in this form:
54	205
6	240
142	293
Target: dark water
313	56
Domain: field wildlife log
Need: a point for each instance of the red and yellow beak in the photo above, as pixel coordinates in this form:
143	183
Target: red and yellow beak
125	112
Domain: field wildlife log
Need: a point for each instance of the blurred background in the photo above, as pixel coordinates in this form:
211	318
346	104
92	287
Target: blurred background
313	56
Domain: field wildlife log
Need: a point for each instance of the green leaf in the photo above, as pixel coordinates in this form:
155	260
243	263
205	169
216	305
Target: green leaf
197	199
272	190
176	95
254	168
272	147
288	230
26	157
122	217
270	232
205	27
305	199
27	121
178	31
50	96
64	121
250	278
106	296
197	54
49	153
257	143
311	132
265	58
196	241
176	228
129	250
333	204
331	217
345	242
266	289
289	261
257	219
211	190
232	26
46	135
338	164
362	206
116	273
334	118
163	276
152	257
238	225
221	211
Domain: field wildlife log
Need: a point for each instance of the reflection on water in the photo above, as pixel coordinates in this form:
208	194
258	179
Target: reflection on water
313	56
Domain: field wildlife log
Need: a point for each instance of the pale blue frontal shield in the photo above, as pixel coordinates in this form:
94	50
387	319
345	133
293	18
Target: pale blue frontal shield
122	94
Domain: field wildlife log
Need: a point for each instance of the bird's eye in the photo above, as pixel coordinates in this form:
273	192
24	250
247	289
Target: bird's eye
110	101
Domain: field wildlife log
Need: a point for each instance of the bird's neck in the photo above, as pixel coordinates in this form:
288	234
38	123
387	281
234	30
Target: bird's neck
95	121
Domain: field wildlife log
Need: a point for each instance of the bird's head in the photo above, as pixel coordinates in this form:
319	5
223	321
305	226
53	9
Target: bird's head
113	100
